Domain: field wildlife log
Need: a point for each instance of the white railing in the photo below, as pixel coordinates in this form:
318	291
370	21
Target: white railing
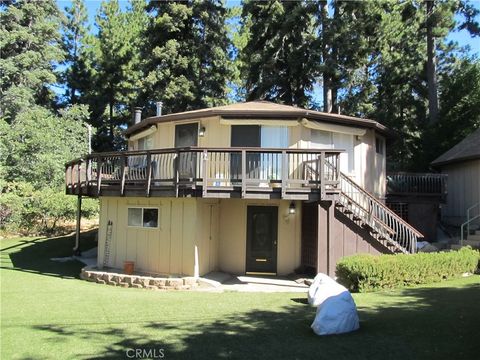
470	218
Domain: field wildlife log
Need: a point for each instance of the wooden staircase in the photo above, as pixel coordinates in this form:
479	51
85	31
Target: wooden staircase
383	224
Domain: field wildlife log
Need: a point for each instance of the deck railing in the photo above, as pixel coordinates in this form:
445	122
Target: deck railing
417	183
212	170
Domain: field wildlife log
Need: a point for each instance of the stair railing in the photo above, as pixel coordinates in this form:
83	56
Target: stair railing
379	216
470	218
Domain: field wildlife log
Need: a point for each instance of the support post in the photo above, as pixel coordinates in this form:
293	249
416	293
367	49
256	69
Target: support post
76	249
244	173
204	174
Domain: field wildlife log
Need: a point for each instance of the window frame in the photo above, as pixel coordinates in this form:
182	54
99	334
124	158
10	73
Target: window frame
143	208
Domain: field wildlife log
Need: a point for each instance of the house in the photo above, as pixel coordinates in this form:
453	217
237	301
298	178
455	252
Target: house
255	187
462	166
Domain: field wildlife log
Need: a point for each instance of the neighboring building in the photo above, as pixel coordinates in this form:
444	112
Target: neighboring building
252	187
416	198
462	166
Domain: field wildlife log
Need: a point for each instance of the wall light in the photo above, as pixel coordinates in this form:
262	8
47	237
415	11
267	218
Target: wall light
201	131
291	208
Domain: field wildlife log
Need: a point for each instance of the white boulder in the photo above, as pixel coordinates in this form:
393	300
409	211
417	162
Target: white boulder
336	312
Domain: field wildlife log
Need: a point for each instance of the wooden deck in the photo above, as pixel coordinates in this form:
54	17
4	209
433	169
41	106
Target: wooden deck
255	173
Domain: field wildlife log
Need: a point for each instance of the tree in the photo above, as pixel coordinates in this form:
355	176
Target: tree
188	63
460	101
38	144
29	51
113	64
75	30
280	57
347	38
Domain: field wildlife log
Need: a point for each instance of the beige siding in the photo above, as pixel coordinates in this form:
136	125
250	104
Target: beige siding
168	249
463	190
233	233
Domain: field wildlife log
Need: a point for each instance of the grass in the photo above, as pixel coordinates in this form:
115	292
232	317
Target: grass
48	313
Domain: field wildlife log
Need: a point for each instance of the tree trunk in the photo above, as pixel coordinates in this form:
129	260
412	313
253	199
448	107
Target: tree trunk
327	89
111	124
431	67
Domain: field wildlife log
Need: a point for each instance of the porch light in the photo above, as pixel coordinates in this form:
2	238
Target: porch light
201	132
291	208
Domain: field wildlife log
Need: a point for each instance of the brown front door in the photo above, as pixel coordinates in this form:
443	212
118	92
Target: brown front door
262	225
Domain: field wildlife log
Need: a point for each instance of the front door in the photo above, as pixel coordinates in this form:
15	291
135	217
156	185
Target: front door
186	135
262	223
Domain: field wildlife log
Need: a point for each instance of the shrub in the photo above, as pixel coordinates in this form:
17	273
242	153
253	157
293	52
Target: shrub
365	273
24	209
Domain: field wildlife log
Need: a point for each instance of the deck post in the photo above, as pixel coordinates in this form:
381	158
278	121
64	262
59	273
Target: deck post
123	173
149	173
244	173
99	175
76	249
323	177
284	173
175	172
204	176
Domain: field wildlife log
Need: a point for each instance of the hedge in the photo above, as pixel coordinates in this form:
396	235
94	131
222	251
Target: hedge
363	273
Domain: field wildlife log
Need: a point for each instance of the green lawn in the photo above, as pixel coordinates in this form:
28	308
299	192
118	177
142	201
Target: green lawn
48	313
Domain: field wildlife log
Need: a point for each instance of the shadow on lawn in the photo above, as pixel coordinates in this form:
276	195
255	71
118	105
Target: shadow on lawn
34	255
428	323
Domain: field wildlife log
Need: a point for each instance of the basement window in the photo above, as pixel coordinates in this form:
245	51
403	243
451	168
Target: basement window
143	217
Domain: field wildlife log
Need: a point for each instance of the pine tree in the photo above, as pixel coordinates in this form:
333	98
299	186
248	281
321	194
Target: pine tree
29	39
347	38
114	67
75	29
280	57
188	63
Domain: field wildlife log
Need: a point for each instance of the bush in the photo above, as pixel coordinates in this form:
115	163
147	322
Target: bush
365	273
23	209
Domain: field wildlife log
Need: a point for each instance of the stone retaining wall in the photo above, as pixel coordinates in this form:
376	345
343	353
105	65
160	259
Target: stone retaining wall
137	281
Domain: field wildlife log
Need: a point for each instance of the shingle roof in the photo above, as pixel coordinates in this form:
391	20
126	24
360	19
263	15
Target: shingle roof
467	149
260	109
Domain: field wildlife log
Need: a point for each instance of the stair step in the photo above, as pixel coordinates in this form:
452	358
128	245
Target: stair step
474	237
346	211
472	243
338	205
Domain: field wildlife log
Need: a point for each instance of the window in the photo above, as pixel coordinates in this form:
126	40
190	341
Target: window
321	139
274	136
379	145
143	217
145	143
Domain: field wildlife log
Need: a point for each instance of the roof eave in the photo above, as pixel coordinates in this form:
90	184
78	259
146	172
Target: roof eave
264	114
437	164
